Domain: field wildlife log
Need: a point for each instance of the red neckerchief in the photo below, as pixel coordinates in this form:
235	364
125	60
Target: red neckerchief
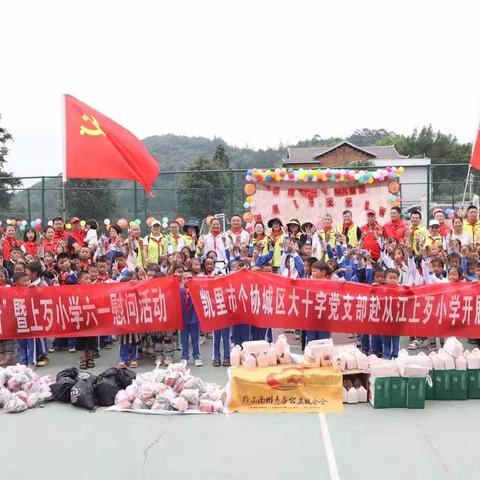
187	297
62	277
215	235
237	230
346	227
275	235
84	264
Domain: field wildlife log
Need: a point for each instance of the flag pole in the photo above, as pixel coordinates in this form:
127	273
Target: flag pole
466	185
64	155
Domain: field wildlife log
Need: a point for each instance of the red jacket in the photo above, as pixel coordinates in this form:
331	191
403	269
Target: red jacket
76	236
395	230
49	246
370	242
8	244
30	247
60	237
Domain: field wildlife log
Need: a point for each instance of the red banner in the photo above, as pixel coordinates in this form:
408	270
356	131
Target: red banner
91	310
267	300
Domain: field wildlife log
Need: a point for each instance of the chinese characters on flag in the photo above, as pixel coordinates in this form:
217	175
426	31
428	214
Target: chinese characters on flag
91	310
267	300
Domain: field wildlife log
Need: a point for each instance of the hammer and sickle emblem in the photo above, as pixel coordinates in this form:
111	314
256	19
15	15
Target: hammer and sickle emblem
91	131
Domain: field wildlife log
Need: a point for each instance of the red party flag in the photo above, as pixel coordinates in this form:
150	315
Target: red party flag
97	147
475	158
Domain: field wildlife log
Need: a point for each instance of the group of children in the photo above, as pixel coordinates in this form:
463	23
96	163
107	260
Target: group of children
396	253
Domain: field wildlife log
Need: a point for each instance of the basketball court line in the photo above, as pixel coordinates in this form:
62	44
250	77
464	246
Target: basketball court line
327	443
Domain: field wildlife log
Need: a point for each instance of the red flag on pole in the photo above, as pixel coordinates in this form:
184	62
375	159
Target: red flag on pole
475	158
97	147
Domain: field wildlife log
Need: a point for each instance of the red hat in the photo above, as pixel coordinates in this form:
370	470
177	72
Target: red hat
74	219
371	212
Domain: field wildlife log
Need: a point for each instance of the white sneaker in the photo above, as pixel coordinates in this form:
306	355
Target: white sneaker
198	362
72	350
159	360
202	340
52	349
168	360
350	335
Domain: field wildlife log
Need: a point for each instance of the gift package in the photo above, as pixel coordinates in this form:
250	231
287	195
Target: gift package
260	353
171	390
21	388
456	372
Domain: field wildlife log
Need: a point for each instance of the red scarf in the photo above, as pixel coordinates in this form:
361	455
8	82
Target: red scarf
187	297
346	227
215	235
275	235
237	230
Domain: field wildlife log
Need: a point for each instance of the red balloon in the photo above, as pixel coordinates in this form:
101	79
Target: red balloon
1	229
38	227
291	176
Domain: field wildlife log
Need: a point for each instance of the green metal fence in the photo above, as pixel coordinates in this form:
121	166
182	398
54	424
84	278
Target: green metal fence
197	193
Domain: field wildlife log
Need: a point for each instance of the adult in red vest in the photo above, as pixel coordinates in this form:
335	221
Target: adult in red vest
48	241
370	233
10	241
396	228
60	234
76	239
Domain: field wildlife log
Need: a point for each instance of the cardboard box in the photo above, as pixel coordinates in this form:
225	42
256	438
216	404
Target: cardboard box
473	383
398	392
441	387
416	392
458	385
380	392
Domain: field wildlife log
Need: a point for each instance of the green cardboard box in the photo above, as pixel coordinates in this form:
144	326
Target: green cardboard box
441	387
473	383
398	392
380	392
458	384
429	392
416	389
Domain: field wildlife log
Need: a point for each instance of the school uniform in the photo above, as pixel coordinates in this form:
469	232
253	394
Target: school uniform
191	326
129	347
239	236
371	343
222	248
30	349
66	278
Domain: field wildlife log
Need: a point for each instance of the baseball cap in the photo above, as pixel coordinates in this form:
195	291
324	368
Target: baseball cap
370	211
433	223
155	222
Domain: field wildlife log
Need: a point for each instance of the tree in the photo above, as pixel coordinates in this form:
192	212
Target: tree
221	157
202	192
367	137
7	182
448	181
86	199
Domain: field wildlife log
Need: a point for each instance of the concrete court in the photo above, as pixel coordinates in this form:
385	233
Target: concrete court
61	441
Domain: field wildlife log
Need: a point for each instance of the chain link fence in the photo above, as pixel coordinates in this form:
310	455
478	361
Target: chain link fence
199	194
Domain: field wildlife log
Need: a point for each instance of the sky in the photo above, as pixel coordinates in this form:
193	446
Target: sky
255	73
